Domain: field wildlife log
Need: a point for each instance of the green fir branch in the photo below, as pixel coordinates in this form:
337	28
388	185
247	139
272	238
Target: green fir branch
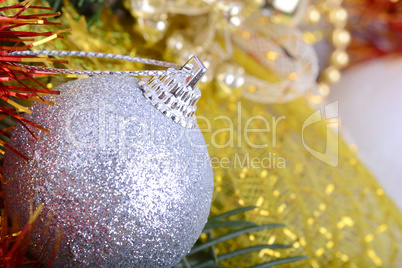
204	254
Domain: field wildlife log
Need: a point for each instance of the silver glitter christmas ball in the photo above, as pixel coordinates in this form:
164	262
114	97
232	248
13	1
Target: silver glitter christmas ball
126	185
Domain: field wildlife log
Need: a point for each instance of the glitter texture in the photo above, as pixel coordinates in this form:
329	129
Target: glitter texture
127	186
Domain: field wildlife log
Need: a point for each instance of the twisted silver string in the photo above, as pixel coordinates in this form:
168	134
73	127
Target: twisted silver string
172	66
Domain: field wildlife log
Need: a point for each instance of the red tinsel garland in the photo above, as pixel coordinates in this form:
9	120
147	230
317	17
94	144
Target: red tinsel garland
19	83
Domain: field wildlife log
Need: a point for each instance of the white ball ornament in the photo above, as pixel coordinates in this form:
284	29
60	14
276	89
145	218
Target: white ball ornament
370	98
126	185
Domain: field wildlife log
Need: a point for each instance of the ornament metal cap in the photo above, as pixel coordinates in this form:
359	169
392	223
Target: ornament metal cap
176	93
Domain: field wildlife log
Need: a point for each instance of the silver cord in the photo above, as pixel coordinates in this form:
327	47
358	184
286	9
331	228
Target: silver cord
172	66
174	91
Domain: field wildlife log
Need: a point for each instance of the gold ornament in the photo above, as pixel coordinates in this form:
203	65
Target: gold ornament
331	75
313	15
341	37
144	8
154	28
232	12
230	76
339	58
152	19
338	16
291	62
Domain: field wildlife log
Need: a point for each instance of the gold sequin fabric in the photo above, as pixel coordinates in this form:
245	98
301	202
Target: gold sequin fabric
338	216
